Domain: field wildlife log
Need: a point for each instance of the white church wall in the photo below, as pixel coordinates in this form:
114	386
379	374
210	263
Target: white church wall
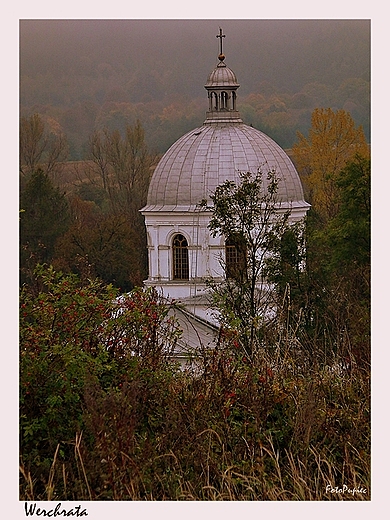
204	252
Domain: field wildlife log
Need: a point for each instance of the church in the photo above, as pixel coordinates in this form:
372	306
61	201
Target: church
182	253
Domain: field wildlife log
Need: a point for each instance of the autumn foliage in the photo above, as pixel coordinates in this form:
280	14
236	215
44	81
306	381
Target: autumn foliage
107	415
333	141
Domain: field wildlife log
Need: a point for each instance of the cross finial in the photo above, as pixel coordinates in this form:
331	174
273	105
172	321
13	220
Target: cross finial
220	36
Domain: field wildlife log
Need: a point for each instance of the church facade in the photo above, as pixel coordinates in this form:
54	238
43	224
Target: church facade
182	252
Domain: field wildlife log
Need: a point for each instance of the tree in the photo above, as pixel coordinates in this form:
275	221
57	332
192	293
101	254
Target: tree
248	215
120	166
124	165
333	301
44	218
333	140
105	241
349	231
42	145
345	257
286	268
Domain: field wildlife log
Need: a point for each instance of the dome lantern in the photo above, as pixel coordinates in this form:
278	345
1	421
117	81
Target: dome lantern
221	89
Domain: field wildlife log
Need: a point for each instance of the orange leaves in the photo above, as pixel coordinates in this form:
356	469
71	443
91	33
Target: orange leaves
333	140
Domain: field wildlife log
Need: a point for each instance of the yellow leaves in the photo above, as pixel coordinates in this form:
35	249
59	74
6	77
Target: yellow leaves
333	141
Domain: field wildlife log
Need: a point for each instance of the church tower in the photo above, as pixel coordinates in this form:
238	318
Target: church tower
182	253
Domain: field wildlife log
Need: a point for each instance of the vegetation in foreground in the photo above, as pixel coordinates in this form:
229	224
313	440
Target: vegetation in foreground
105	415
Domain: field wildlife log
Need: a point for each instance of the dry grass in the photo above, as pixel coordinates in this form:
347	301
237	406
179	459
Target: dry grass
232	435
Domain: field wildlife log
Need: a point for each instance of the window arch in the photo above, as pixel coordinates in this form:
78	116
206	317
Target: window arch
180	258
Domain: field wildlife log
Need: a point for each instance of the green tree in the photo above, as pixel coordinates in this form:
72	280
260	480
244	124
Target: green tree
350	230
248	215
44	218
286	268
346	256
336	285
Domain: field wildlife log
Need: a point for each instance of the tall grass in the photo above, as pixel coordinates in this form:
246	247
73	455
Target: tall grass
283	428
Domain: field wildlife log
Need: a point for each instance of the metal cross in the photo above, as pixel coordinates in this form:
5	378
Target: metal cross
220	36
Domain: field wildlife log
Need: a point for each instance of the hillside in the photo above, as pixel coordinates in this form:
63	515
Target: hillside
88	74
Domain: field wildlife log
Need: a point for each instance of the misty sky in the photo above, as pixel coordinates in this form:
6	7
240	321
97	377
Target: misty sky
287	53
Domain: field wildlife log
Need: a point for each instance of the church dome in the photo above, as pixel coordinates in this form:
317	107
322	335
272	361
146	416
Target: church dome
204	158
201	160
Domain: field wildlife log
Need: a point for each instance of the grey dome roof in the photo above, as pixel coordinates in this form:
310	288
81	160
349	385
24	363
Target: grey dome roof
206	157
221	76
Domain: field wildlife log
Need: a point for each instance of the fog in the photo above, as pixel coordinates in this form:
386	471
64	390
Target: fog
83	75
181	53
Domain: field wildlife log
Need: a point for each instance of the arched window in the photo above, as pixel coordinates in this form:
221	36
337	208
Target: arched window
214	105
180	258
224	101
234	100
235	259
